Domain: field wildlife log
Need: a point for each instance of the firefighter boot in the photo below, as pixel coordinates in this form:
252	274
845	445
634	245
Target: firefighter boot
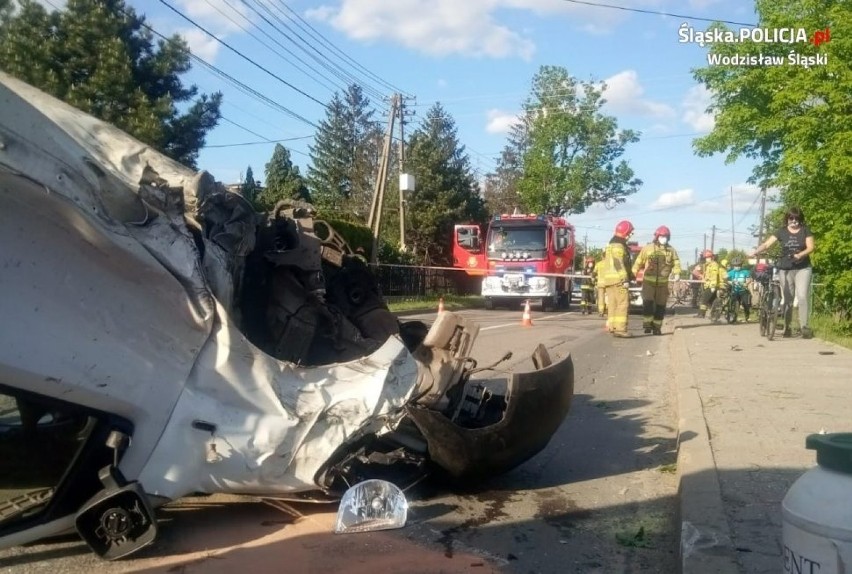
657	329
647	327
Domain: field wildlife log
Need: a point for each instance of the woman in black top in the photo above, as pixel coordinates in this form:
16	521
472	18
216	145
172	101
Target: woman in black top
797	243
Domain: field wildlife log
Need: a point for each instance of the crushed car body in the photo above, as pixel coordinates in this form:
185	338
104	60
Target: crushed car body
160	338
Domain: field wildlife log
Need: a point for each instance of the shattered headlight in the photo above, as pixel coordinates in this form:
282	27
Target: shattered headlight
371	505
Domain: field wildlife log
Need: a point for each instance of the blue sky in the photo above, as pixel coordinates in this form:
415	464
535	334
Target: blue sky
477	58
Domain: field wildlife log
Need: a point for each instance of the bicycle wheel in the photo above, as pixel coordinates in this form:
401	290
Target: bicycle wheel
774	303
716	310
762	316
731	310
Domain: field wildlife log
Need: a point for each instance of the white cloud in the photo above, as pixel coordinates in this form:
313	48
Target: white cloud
436	27
695	105
220	15
624	93
500	122
201	44
469	27
671	199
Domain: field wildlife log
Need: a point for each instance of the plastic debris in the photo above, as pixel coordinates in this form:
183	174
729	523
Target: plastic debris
371	505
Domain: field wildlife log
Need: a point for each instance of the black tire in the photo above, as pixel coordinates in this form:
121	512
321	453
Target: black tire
762	318
716	311
731	311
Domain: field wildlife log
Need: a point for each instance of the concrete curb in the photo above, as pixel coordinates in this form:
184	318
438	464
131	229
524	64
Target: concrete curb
705	541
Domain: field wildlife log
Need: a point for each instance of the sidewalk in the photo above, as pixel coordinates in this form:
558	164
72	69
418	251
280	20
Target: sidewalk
746	405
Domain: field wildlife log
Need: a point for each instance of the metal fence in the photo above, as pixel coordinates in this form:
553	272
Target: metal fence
398	281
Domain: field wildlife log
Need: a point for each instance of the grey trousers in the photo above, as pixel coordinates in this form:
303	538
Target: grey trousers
796	284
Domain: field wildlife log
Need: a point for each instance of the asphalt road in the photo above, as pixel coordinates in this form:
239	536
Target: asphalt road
600	498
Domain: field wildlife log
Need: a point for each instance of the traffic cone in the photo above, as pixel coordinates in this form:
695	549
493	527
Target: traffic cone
526	321
440	305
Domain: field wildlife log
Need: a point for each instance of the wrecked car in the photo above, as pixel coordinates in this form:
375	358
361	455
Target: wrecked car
160	339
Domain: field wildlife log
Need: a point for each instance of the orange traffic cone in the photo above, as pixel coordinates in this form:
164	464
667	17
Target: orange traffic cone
526	321
441	305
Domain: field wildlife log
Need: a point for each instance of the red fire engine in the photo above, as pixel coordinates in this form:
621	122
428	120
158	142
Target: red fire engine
523	257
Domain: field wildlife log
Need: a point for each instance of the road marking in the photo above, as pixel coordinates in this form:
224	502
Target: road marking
515	324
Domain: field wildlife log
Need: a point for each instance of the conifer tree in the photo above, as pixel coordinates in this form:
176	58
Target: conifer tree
99	56
447	190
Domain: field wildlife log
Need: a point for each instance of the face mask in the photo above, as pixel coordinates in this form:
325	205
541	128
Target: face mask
708	260
663	240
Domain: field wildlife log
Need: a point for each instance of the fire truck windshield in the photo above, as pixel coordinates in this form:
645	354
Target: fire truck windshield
510	238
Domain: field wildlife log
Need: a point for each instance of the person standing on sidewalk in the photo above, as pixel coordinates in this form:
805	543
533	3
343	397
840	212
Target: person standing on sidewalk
697	279
740	280
616	275
659	261
794	266
713	282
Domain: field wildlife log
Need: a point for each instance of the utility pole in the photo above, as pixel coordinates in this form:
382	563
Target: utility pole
733	231
762	215
375	220
406	183
705	242
586	245
713	240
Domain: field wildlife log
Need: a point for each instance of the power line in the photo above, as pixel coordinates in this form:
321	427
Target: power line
318	36
339	74
314	71
658	13
240	54
259	142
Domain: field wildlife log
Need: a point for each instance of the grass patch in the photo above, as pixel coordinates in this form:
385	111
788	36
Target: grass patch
829	329
668	468
632	539
430	303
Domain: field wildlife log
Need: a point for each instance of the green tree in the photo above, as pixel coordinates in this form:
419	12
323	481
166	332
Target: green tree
795	123
447	191
501	186
283	181
100	57
571	151
344	156
250	187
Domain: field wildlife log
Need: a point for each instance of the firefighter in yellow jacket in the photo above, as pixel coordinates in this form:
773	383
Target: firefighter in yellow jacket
616	275
659	261
714	281
587	286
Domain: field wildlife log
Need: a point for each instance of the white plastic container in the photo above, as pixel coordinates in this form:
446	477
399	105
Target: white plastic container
817	510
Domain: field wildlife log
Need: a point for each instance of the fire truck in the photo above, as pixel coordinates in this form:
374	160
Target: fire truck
520	257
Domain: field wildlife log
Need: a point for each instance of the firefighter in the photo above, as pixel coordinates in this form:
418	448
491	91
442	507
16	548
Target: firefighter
714	280
601	290
616	276
659	261
587	287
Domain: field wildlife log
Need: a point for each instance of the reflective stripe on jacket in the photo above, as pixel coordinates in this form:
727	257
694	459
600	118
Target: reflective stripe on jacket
714	275
616	265
659	262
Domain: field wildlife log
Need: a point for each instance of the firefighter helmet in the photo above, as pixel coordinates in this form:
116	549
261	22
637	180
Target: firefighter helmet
624	228
724	262
707	253
662	231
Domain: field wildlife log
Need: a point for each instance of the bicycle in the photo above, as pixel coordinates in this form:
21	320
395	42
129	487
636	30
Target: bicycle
723	303
770	307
